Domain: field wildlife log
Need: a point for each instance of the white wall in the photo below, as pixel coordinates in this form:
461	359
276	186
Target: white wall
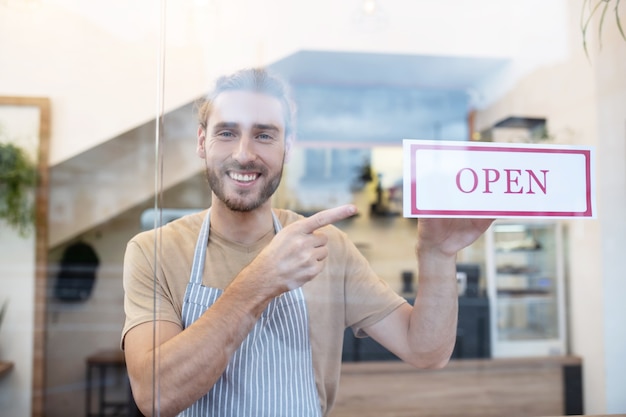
20	126
77	330
609	65
98	60
585	103
17	272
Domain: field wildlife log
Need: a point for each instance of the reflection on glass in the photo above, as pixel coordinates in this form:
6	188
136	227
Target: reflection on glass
378	72
324	177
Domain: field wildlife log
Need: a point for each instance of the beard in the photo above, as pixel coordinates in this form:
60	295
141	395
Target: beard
243	200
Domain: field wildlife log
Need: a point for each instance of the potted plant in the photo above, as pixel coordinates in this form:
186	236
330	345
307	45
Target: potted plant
18	176
602	7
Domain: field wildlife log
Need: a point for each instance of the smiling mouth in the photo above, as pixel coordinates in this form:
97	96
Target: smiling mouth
243	177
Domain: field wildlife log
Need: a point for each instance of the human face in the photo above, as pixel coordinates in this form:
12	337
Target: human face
244	148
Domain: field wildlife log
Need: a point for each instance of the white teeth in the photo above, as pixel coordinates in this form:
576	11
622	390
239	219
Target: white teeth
243	177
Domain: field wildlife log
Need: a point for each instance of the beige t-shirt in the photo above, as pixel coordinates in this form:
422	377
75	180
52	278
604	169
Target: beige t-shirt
346	294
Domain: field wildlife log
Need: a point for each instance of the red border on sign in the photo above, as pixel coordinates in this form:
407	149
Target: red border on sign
586	154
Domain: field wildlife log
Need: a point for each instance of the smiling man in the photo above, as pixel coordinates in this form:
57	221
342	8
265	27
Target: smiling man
252	301
243	143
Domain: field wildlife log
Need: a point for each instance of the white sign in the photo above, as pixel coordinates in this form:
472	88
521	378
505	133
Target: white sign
497	180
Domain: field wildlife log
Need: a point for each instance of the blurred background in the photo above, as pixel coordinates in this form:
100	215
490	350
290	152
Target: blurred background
101	95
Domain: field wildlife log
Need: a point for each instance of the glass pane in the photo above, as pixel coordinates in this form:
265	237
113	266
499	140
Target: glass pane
89	69
115	86
526	281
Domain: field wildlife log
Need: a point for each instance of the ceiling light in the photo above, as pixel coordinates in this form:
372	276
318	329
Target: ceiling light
369	16
369	6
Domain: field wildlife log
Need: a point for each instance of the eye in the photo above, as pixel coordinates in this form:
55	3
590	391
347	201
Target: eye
265	137
226	134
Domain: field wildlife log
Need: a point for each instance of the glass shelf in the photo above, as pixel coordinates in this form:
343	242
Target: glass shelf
525	284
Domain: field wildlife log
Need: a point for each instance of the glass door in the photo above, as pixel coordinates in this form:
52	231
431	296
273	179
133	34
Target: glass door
525	284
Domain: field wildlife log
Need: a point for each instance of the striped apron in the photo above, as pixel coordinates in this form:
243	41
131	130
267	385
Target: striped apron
271	374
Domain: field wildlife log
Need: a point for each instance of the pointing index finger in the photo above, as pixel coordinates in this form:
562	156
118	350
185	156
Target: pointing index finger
326	217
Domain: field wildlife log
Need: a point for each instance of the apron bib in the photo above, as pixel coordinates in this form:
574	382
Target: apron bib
271	374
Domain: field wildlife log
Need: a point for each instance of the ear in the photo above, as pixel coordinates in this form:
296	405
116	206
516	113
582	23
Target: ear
200	148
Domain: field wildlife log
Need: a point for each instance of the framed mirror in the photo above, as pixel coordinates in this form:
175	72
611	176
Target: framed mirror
25	123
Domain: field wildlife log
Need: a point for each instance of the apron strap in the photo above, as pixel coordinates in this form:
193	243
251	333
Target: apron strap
199	255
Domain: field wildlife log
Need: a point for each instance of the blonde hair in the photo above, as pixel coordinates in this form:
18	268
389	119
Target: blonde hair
257	80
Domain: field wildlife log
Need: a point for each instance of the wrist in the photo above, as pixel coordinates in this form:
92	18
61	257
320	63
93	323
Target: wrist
435	266
250	288
434	254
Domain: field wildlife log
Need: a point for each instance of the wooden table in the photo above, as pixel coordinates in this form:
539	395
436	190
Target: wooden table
546	386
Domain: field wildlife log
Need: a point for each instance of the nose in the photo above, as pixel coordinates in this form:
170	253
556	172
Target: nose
244	150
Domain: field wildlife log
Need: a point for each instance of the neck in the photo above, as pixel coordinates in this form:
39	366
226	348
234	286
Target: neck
241	227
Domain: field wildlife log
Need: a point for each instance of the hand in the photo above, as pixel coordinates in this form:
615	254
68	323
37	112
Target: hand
297	253
449	235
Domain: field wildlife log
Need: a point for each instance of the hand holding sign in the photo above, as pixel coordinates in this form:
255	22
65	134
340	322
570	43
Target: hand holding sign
449	235
486	179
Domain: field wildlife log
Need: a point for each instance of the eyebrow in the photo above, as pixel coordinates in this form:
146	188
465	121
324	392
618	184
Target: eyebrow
256	126
225	125
262	126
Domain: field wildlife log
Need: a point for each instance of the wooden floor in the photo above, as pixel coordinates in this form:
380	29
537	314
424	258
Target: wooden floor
481	388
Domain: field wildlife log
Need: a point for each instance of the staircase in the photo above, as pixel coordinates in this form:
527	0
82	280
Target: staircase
99	184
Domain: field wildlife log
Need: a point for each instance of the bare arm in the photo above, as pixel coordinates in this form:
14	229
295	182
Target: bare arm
189	362
425	334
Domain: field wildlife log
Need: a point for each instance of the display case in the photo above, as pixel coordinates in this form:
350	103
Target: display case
525	283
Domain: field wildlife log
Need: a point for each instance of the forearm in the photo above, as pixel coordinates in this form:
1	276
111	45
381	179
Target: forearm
189	364
432	329
425	334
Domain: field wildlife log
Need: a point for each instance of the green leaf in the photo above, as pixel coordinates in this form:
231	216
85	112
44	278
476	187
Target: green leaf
619	23
18	177
585	23
606	6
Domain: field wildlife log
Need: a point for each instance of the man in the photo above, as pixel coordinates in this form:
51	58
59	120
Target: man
252	302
